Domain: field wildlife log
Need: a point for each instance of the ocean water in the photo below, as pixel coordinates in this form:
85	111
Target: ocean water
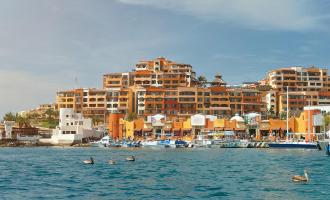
58	173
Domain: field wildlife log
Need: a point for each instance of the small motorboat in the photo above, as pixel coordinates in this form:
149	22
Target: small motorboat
298	178
104	142
90	161
130	158
181	144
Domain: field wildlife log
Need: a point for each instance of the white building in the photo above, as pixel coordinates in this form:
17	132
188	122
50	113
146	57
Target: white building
9	128
72	129
271	100
325	109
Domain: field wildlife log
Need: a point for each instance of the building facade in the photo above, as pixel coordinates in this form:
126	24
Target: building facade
304	86
161	86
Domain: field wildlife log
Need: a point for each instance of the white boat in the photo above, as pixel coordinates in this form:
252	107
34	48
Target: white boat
104	142
322	144
202	141
243	143
149	143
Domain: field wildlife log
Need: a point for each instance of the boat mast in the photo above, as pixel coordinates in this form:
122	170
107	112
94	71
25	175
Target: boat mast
287	113
309	115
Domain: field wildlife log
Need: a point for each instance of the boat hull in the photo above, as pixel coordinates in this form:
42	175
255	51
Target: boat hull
322	144
327	151
292	146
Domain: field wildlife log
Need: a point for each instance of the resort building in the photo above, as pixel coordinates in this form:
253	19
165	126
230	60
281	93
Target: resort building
306	86
161	86
89	102
308	125
117	80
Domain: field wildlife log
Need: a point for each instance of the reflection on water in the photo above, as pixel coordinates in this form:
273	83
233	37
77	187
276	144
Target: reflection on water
162	174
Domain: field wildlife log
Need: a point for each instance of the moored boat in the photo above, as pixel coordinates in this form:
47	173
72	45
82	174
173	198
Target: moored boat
296	145
104	142
327	151
322	144
181	144
149	143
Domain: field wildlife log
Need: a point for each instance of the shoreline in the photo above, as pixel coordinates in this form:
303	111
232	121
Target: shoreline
29	144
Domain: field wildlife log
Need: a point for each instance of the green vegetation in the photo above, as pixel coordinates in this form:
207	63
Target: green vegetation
45	119
49	124
96	120
283	115
326	119
202	81
271	114
131	117
10	117
23	121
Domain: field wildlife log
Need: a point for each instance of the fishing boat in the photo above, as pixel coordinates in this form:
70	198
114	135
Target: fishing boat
202	140
166	143
116	144
131	144
181	144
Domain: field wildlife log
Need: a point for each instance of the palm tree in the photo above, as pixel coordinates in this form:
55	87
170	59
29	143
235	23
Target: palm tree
270	113
50	118
131	116
202	81
283	115
51	113
96	120
10	117
23	121
326	120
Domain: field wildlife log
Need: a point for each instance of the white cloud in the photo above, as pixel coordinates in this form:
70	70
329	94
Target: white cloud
292	15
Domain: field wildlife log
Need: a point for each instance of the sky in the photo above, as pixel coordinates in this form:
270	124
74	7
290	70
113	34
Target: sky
53	45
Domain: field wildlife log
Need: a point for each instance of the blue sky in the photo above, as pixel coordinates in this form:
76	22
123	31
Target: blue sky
46	44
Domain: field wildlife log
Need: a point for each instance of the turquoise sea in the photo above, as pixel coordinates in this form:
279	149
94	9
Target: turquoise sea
58	173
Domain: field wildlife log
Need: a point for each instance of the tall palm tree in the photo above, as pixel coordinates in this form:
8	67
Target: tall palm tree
9	117
131	116
202	81
23	122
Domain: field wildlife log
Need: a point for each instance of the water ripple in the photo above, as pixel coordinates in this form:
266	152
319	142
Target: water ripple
58	173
